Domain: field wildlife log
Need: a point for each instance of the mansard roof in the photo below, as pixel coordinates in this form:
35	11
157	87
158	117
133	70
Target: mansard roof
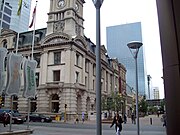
25	40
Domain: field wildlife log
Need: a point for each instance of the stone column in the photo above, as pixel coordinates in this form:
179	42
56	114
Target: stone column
84	103
43	64
43	101
22	103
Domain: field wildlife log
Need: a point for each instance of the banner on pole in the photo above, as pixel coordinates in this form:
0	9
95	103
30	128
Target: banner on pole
3	52
29	78
13	74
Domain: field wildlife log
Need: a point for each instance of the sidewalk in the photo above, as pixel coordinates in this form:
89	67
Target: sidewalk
156	121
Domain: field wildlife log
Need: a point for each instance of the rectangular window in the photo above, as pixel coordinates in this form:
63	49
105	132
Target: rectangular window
7	11
6	18
94	69
102	72
87	65
86	82
57	57
77	77
37	57
93	85
111	81
77	59
37	79
56	75
5	25
106	81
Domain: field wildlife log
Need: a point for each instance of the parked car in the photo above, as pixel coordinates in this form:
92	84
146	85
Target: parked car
35	117
17	118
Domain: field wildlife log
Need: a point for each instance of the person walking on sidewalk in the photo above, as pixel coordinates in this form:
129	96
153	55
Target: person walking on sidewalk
118	123
76	119
125	118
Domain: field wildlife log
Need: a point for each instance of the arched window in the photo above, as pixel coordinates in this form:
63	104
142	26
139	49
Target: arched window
55	103
15	103
88	104
33	105
4	43
79	104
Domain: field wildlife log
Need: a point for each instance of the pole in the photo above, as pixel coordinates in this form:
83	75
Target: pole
137	112
11	113
34	26
148	90
149	77
98	74
28	113
65	114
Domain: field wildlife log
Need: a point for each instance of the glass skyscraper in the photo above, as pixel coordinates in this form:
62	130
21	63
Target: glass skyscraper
117	38
5	14
20	23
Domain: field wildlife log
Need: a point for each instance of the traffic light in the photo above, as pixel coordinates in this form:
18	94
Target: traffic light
65	106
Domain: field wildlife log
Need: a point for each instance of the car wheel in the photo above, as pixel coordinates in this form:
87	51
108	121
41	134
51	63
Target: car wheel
42	120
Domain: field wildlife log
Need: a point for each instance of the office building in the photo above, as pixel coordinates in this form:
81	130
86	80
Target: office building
156	92
5	14
20	23
117	39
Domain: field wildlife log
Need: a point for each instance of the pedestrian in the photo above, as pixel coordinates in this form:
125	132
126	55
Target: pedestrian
76	119
118	123
158	113
164	120
125	118
133	118
82	117
6	118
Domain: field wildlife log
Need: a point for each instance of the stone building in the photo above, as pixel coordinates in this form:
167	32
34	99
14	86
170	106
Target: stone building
65	73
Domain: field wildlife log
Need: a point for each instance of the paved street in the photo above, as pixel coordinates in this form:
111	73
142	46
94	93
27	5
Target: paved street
89	128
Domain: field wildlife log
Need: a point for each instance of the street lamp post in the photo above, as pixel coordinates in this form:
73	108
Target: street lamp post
134	49
149	79
97	4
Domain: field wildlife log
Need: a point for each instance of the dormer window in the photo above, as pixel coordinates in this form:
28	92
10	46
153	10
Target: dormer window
38	35
21	39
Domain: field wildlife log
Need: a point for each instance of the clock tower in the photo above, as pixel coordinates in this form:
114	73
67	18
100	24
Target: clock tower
66	16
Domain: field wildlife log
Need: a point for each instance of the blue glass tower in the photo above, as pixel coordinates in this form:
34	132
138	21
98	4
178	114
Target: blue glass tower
20	23
117	39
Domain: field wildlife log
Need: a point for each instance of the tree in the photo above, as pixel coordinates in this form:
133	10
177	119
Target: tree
114	102
143	106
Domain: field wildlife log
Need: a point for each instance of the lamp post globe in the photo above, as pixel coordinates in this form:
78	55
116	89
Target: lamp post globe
134	49
97	3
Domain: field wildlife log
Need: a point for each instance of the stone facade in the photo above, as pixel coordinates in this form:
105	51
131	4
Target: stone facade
65	73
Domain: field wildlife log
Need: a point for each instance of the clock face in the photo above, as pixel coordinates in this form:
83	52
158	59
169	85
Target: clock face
61	3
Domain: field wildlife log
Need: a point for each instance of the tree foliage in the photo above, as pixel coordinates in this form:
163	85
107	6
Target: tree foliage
112	102
143	106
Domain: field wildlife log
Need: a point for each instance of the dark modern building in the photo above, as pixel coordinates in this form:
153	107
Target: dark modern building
117	39
5	14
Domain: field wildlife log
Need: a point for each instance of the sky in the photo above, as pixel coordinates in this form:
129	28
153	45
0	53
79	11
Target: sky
116	12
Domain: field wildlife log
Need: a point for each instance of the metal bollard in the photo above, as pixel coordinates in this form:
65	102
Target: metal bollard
151	121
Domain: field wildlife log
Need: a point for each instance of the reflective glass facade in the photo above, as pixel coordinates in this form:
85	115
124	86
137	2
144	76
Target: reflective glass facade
5	14
20	23
117	39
